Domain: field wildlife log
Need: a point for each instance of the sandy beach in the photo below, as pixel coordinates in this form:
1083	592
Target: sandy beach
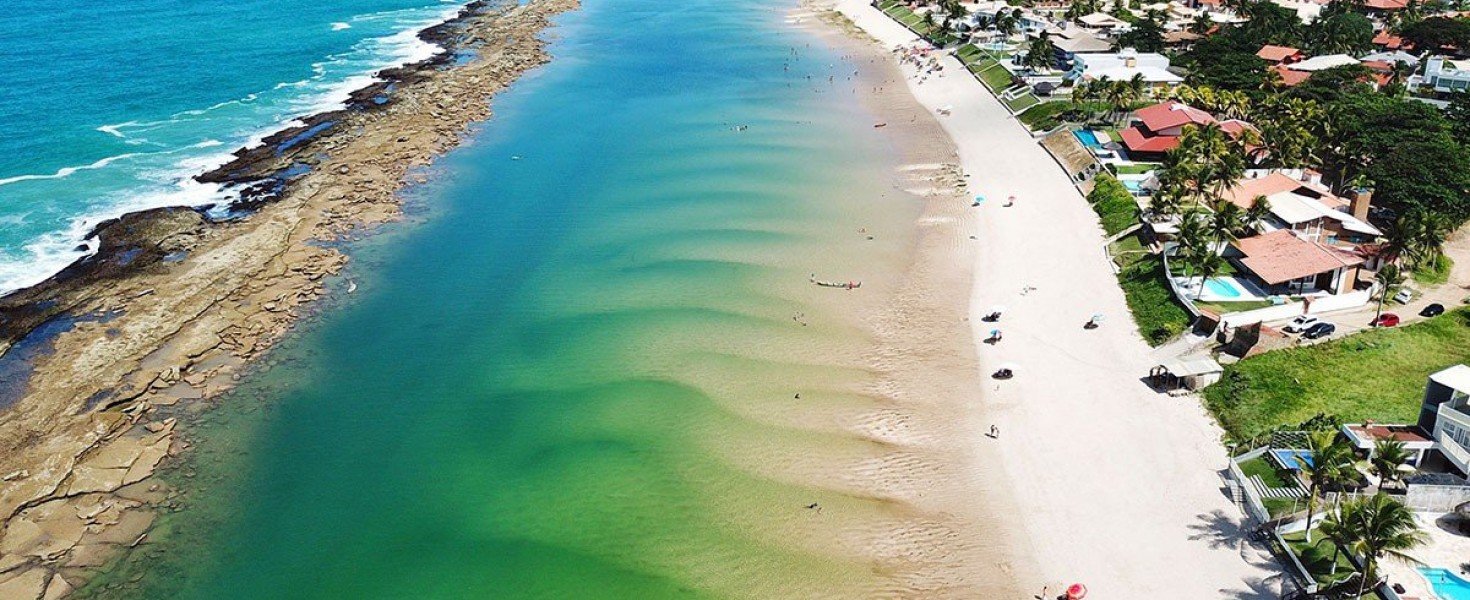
1116	486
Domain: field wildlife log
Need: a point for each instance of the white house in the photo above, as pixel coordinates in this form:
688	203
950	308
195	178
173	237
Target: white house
1446	74
1123	66
1445	414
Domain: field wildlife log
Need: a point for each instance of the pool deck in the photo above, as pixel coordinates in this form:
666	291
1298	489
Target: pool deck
1446	550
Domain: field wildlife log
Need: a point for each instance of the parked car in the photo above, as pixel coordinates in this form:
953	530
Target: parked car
1301	323
1404	296
1322	329
1433	310
1386	320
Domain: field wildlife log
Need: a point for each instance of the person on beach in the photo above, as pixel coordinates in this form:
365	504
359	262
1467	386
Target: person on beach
994	432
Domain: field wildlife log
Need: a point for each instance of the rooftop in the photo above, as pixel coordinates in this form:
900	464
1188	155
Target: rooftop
1277	53
1320	63
1456	377
1165	115
1281	256
1410	435
1290	77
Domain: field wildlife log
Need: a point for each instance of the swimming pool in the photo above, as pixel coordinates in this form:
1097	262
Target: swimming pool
1133	185
1447	585
1222	288
1295	460
1088	138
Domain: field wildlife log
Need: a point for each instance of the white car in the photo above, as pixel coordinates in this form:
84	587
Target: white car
1301	323
1404	296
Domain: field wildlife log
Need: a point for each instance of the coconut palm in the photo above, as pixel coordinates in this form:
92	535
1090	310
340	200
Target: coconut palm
1331	464
1388	277
1258	212
1208	159
1373	528
1389	459
1041	54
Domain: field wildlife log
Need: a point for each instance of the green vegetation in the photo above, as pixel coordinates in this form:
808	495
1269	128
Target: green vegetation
985	66
1158	314
1114	204
926	26
1280	507
1433	272
1221	308
1376	374
1022	102
1136	168
1048	115
1318	556
1268	472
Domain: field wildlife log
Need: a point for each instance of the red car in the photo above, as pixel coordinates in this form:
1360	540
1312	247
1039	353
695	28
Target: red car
1386	320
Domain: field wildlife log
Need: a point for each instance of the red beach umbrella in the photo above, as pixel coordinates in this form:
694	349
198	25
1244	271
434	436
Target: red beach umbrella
1076	591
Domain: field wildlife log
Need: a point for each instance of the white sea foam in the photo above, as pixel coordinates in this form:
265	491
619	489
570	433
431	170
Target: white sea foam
176	186
65	172
339	26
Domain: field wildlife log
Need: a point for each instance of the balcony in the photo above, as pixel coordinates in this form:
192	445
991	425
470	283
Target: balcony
1452	415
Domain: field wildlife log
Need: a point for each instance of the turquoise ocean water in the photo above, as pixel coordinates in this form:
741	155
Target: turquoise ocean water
112	106
571	373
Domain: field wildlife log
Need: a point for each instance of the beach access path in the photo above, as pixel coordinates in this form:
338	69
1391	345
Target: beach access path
1118	487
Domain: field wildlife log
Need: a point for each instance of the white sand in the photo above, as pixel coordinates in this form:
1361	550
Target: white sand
1119	487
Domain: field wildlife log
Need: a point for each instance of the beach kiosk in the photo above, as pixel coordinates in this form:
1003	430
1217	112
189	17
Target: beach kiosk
1188	373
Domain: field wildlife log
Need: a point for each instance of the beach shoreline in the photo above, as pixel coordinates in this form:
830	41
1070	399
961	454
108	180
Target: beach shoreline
1115	486
174	306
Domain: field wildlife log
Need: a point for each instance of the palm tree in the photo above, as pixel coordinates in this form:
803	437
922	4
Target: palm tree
1389	459
1332	463
1388	277
1193	239
1257	213
1202	24
1375	527
1041	54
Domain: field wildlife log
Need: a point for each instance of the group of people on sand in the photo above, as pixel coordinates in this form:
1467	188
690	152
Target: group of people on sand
921	56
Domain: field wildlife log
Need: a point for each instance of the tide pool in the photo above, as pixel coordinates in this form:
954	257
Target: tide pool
570	375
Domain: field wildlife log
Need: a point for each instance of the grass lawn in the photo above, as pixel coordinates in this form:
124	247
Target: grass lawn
1377	374
1280	507
1429	275
1113	203
992	74
1317	557
1268	472
1136	169
1158	314
1221	308
1023	102
1127	250
1043	116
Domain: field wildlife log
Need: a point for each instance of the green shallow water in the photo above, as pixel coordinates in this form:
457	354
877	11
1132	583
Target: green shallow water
553	381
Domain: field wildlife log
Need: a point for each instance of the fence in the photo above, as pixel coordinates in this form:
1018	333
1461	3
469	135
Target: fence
1254	506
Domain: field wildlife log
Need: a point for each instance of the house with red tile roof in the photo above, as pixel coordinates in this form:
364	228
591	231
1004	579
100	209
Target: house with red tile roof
1299	202
1157	128
1280	55
1385	5
1284	262
1388	41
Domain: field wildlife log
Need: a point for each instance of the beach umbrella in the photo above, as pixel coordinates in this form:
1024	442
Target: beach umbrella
994	332
1097	317
1076	591
978	199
